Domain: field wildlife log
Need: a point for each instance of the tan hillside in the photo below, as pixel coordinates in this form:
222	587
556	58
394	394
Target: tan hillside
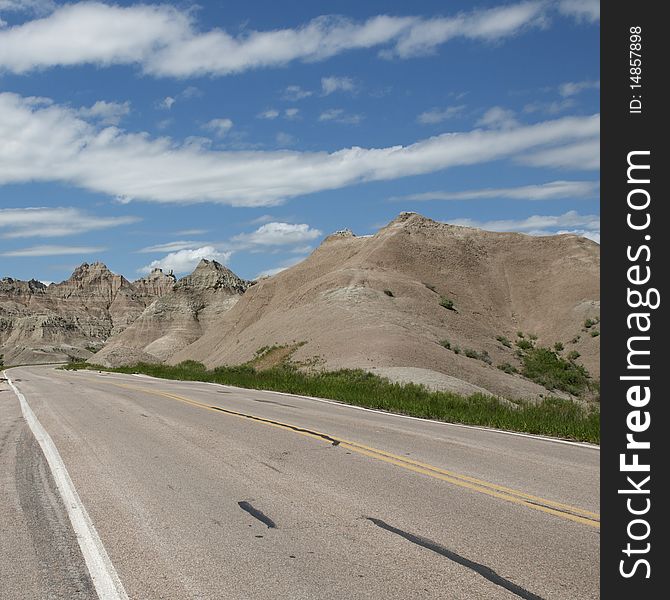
373	302
40	323
177	318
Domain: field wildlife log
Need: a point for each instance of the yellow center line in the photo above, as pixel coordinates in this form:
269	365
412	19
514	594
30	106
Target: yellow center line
564	511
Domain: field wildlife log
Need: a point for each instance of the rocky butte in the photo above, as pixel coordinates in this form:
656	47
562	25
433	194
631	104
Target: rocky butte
418	301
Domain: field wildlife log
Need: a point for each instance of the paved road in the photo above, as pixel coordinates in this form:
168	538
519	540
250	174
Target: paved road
277	496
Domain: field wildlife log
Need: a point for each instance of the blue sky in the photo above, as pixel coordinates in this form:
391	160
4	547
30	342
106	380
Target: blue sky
148	135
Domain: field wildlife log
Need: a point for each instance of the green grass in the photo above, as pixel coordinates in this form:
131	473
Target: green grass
551	416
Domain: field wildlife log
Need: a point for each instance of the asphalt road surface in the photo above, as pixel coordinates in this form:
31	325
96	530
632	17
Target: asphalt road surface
203	491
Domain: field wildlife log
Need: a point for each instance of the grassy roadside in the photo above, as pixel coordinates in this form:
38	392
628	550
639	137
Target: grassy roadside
553	416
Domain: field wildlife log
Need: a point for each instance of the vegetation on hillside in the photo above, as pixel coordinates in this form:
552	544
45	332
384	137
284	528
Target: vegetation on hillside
551	416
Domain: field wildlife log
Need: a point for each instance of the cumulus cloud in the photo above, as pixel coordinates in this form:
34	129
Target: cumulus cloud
175	246
335	84
437	115
498	118
572	88
54	222
184	261
542	191
48	142
581	10
270	113
107	113
46	250
220	127
580	155
340	116
38	7
285	139
166	103
278	234
166	42
569	222
292	93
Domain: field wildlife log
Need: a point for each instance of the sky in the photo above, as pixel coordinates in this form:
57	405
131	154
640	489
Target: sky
149	135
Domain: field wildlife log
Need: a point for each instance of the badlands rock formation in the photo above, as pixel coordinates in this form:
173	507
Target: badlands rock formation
196	303
374	302
40	323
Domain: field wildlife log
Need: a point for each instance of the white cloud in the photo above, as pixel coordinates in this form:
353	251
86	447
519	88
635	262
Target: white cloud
572	88
278	234
175	246
38	7
52	251
54	222
219	126
107	113
165	41
542	191
185	261
339	116
295	92
51	143
291	113
166	103
498	118
581	10
285	139
580	155
549	108
335	84
192	231
270	113
437	115
423	36
541	224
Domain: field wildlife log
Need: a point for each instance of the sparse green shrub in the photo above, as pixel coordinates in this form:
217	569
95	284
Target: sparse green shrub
508	368
504	341
591	322
447	303
191	365
558	347
575	339
483	355
524	344
573	355
545	367
457	350
520	334
445	344
595	333
532	336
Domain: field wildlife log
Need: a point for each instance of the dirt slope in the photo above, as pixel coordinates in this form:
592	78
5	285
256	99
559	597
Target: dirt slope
374	302
177	318
40	323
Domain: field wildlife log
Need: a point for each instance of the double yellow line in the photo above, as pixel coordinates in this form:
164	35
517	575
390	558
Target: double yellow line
564	511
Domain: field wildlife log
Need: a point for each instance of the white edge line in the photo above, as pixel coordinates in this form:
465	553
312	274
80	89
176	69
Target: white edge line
105	578
540	438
